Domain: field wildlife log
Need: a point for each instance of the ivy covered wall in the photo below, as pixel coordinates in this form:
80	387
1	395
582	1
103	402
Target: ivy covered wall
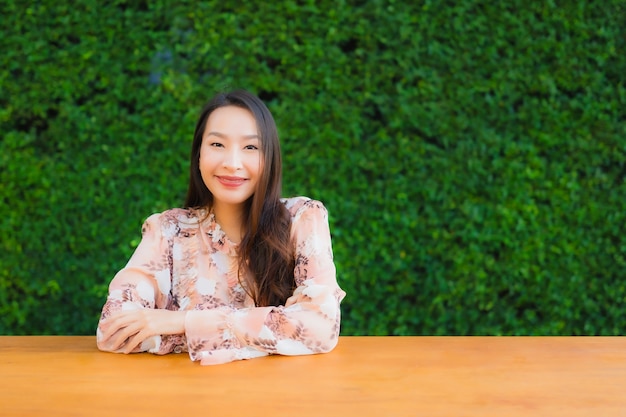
472	155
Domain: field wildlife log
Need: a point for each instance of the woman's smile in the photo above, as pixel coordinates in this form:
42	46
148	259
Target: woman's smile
229	181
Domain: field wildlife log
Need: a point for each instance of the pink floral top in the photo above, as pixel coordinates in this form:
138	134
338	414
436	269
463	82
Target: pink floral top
186	263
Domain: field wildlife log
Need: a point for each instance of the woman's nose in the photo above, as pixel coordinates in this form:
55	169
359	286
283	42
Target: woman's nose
232	160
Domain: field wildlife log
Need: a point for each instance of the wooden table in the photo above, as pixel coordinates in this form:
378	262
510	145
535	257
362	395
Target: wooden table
363	376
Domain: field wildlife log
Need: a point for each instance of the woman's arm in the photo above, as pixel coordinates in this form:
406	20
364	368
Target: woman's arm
134	316
307	324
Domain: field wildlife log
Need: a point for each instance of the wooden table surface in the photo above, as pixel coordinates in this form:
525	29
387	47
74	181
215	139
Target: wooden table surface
363	376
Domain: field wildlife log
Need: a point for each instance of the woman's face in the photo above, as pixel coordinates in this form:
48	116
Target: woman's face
230	156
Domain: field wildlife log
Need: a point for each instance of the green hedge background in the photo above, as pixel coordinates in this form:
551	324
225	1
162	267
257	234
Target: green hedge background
472	155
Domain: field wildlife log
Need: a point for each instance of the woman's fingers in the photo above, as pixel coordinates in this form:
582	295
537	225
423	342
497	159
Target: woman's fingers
134	342
119	328
126	329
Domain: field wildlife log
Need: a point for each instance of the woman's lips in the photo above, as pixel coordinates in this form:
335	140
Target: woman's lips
231	181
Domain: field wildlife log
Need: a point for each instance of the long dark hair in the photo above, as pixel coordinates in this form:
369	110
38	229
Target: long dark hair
265	248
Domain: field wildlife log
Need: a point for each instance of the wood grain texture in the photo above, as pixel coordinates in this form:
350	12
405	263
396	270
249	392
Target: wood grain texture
363	376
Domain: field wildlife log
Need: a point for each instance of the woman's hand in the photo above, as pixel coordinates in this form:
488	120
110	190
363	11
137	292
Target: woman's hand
128	329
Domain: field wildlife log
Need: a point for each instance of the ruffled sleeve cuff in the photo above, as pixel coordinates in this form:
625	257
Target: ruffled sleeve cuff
213	336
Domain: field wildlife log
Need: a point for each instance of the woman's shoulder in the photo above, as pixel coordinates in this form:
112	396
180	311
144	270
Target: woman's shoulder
176	215
179	218
297	205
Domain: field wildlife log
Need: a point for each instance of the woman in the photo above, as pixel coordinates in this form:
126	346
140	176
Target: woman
239	272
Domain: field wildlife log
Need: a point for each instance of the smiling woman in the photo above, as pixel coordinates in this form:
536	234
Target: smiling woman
238	272
230	162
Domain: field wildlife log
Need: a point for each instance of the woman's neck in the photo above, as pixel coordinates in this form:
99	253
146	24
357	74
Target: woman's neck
231	221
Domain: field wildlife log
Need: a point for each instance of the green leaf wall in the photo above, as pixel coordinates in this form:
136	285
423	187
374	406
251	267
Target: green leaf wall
472	155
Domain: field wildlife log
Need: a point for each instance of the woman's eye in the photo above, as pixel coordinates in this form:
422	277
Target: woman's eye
252	147
216	145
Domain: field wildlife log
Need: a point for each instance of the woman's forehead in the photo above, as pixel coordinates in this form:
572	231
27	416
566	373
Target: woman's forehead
232	121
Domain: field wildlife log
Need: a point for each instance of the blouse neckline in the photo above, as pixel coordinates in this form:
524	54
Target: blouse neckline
214	231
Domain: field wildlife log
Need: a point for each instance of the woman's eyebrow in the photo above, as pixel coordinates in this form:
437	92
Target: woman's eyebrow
224	136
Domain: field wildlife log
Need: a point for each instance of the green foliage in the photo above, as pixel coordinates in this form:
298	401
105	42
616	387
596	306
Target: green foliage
472	156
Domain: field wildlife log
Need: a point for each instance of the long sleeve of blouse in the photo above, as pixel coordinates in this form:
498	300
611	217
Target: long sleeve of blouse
184	263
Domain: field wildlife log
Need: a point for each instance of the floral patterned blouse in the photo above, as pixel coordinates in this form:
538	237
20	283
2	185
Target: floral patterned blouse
186	263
